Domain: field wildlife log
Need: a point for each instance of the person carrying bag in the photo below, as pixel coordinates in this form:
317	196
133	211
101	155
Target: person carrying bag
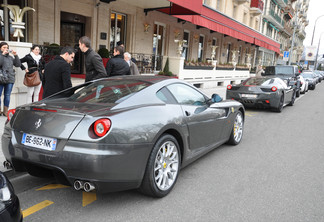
34	74
8	59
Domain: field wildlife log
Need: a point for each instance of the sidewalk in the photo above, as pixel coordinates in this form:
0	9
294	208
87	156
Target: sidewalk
219	90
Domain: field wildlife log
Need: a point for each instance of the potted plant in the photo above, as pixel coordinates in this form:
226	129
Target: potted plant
104	53
166	71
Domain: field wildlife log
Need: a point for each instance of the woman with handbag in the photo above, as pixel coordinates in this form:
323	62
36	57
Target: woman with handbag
8	59
34	73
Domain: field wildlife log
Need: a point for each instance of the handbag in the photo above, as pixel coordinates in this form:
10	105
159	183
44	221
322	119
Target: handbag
4	78
32	79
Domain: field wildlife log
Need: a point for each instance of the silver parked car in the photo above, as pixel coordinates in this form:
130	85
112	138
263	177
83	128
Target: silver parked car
120	133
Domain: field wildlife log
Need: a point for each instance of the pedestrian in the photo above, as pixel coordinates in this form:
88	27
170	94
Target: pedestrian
57	75
120	43
34	62
117	66
132	65
93	62
259	71
7	62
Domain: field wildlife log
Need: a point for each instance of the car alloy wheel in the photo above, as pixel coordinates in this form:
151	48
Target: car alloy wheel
237	132
162	168
166	165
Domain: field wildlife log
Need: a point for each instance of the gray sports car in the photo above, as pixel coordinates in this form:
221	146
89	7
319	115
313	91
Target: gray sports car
265	92
120	133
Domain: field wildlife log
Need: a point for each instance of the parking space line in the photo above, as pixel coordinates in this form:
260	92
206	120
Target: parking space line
36	208
52	186
88	198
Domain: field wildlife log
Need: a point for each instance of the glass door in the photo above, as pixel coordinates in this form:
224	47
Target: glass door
158	46
70	35
117	29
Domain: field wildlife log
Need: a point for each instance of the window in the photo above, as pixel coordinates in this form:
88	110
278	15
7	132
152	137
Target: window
117	29
228	52
187	95
105	91
219	5
201	48
185	45
239	55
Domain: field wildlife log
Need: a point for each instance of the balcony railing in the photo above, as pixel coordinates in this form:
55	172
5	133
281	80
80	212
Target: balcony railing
148	63
288	29
257	4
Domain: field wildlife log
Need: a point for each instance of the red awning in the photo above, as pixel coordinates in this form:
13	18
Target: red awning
175	9
213	20
217	27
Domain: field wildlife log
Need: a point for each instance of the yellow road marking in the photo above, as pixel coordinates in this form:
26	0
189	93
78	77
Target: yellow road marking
36	208
88	198
248	113
52	186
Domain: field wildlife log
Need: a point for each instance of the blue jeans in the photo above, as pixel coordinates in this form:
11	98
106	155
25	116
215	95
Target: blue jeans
7	93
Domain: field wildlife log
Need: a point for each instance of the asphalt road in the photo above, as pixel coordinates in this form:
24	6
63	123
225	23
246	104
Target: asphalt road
275	174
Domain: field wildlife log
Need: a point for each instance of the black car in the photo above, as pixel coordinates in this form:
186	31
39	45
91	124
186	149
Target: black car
290	74
264	92
9	202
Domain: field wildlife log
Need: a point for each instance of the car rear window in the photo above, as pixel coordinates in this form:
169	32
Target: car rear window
258	81
279	70
108	91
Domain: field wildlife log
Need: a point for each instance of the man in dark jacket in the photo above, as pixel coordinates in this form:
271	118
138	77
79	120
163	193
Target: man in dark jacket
57	75
93	62
117	66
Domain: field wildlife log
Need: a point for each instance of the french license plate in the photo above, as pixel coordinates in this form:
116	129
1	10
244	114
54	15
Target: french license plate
40	142
249	95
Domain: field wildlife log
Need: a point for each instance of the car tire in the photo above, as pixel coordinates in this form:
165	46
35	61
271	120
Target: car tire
237	131
293	98
281	104
298	93
162	168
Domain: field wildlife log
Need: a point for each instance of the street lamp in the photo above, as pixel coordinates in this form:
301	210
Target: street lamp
319	42
315	27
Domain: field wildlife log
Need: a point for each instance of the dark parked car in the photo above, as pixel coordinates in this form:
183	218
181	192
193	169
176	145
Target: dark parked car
311	78
265	92
120	133
9	202
290	74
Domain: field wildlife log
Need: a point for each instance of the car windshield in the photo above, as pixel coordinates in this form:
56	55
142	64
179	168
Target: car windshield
307	75
279	70
108	91
258	81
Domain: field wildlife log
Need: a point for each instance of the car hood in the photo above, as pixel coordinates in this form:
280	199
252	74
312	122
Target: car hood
53	118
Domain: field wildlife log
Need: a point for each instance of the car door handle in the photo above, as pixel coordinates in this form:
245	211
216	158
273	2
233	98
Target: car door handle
187	113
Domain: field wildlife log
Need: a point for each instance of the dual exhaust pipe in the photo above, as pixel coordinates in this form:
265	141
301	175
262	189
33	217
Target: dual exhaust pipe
86	186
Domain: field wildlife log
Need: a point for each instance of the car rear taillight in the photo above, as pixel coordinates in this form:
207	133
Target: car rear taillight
101	127
229	87
273	88
10	114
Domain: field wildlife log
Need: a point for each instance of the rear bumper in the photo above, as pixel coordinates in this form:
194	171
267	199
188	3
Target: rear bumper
109	167
266	100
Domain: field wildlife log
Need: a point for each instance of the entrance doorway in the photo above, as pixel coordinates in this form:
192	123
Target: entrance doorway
72	28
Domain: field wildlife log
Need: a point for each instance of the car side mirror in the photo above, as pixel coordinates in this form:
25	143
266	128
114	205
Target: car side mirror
216	98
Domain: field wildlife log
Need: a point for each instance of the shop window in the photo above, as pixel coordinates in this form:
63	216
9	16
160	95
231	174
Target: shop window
117	29
6	30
